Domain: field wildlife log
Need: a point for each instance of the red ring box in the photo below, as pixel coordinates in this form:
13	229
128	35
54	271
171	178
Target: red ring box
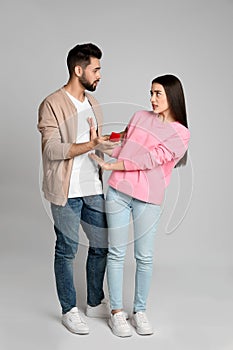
115	137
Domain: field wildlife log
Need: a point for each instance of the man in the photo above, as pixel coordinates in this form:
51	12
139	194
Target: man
72	183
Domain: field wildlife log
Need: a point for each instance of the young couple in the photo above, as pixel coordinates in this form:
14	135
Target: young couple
73	148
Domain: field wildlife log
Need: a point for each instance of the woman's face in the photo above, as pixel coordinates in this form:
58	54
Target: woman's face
159	99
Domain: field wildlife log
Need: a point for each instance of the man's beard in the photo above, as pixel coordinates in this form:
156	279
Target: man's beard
86	84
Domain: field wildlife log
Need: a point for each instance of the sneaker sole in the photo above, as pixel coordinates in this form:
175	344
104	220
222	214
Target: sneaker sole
141	332
81	332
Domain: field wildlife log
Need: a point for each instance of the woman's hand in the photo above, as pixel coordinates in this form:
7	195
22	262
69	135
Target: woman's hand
119	165
100	161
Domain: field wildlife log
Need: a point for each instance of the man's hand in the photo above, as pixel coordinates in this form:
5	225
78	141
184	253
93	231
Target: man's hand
93	134
104	145
101	143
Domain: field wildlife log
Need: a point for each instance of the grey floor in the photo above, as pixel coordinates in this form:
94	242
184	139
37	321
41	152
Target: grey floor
190	305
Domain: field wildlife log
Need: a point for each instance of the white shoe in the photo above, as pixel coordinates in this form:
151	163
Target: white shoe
101	311
73	321
119	325
141	323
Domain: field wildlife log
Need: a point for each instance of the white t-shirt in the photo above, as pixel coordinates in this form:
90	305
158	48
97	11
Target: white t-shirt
84	179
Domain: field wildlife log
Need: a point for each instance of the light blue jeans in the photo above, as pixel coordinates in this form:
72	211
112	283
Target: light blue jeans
145	216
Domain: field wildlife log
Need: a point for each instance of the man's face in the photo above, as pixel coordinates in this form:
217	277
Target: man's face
91	75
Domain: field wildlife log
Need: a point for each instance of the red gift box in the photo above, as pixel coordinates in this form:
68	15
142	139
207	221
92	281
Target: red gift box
115	137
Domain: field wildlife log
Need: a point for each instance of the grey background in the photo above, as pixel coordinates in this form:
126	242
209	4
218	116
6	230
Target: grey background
190	302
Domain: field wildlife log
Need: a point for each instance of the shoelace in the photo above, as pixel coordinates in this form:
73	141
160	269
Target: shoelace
75	317
142	317
120	319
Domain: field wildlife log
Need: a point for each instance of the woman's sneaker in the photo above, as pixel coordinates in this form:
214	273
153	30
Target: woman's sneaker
73	321
141	323
119	325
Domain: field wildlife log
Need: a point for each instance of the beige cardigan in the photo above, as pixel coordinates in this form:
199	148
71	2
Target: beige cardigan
57	123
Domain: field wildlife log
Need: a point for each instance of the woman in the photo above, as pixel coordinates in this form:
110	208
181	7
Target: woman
154	143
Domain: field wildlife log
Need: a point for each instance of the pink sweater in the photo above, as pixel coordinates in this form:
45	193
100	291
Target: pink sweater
150	150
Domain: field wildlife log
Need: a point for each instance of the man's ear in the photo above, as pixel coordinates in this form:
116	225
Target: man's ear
78	71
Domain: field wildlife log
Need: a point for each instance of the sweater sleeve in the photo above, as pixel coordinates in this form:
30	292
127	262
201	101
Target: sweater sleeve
116	152
52	145
169	150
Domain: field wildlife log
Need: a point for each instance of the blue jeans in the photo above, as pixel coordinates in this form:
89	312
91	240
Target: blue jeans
88	211
145	216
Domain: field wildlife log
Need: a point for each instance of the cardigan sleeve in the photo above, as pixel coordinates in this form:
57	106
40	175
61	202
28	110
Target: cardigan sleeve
52	145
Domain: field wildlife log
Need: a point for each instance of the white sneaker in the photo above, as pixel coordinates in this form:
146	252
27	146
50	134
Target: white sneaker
119	325
141	323
102	310
73	321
